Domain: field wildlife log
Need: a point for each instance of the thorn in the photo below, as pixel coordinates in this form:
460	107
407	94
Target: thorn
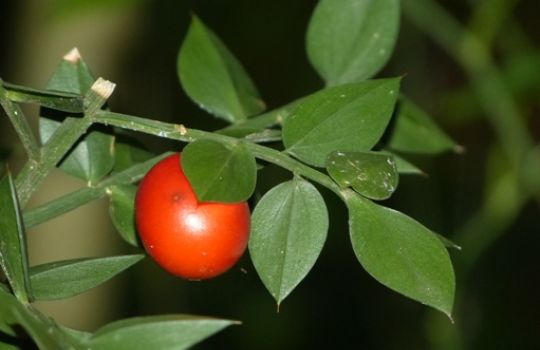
73	55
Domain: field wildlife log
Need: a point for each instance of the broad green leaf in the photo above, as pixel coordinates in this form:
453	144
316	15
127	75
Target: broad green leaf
127	154
64	279
218	172
13	251
62	101
289	227
351	40
372	174
213	78
167	332
122	211
401	253
349	118
415	132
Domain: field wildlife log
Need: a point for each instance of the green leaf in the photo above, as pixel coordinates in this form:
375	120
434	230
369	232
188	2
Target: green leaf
351	40
75	336
43	330
156	332
289	228
64	279
372	174
13	251
415	132
62	101
127	154
72	75
122	211
404	166
92	157
401	253
350	118
213	78
219	173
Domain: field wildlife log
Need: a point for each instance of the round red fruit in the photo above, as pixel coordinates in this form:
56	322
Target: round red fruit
190	239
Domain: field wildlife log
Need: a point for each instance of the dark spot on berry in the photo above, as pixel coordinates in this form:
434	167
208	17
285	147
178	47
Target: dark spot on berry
177	197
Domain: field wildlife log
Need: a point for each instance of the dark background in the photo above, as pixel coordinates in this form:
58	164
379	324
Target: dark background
135	44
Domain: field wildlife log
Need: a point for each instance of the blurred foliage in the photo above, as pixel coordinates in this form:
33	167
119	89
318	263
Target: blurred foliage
478	199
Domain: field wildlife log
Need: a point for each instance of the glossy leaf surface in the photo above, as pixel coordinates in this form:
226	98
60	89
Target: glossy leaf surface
372	174
289	228
401	253
213	78
348	118
219	173
351	40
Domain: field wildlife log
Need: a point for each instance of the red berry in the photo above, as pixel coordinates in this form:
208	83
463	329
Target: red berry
190	239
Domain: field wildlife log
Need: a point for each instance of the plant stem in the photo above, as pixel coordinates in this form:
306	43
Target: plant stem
85	195
19	122
71	129
181	133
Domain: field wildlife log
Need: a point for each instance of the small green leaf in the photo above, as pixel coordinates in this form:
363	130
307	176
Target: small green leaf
13	251
72	75
372	174
219	173
415	132
91	159
156	332
351	40
62	101
214	78
122	212
289	227
64	279
401	253
350	118
128	153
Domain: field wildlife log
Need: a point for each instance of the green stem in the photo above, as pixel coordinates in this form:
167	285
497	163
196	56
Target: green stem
35	172
85	195
20	124
181	133
260	122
